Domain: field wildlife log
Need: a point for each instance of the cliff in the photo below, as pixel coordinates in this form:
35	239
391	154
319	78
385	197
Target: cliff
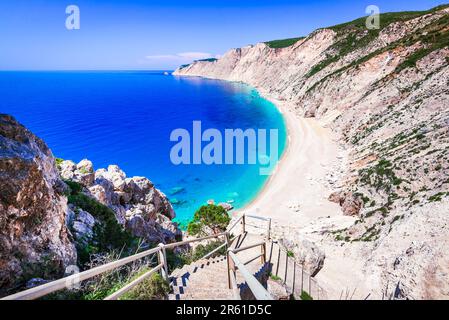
34	240
55	214
384	93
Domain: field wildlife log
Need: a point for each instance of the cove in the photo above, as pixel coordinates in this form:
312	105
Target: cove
126	118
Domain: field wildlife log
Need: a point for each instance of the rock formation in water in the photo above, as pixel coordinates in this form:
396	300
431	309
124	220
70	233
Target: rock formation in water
385	95
47	216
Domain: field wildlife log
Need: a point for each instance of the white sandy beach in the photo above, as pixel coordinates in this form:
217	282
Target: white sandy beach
296	199
295	183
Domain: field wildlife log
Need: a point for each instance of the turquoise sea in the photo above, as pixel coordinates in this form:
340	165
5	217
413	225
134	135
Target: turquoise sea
126	118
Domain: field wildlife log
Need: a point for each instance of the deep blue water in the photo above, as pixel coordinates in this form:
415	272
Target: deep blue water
126	118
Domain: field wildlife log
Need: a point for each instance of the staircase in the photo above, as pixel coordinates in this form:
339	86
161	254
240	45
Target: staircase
207	279
241	274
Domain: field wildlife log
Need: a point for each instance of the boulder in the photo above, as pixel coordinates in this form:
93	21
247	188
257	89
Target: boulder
117	177
306	253
350	203
82	226
67	169
99	193
277	290
170	229
84	173
137	226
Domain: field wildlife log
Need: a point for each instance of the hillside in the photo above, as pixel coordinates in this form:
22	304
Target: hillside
385	96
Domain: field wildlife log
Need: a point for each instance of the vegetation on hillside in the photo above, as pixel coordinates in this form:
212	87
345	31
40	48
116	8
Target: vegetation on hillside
207	60
354	35
431	37
103	285
283	43
108	235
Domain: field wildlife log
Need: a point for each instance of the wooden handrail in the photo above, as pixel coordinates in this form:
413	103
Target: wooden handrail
252	259
243	218
63	283
235	289
235	223
248	247
45	289
60	284
255	286
303	273
181	243
257	217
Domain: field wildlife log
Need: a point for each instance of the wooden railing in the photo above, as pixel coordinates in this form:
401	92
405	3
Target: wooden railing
234	263
70	281
307	283
162	266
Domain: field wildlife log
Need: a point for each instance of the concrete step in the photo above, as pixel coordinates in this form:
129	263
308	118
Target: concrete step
208	279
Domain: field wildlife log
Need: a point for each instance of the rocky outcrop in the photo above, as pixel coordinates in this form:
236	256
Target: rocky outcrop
34	241
138	206
82	172
384	93
306	253
350	204
82	225
277	290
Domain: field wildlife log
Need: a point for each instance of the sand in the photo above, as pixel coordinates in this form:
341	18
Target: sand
296	194
296	199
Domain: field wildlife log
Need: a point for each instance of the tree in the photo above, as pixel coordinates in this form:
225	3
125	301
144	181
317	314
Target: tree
210	217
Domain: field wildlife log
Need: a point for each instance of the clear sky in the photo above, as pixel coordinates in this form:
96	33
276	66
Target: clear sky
160	34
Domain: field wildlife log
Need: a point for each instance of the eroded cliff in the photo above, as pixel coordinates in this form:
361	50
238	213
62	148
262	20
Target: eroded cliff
385	95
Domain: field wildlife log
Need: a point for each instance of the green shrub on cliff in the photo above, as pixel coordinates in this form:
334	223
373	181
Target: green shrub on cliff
210	217
284	43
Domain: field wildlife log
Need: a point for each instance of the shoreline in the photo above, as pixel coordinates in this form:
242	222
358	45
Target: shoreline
298	176
285	154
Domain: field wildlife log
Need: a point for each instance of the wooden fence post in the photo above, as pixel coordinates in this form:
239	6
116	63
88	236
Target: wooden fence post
228	240
231	268
263	257
162	258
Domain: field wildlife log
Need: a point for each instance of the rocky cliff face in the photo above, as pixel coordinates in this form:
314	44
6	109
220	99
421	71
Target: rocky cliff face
385	94
34	241
137	205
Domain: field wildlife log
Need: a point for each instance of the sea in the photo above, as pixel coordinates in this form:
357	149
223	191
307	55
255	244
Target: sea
126	118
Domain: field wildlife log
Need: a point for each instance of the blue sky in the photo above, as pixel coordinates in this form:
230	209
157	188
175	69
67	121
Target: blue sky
160	34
